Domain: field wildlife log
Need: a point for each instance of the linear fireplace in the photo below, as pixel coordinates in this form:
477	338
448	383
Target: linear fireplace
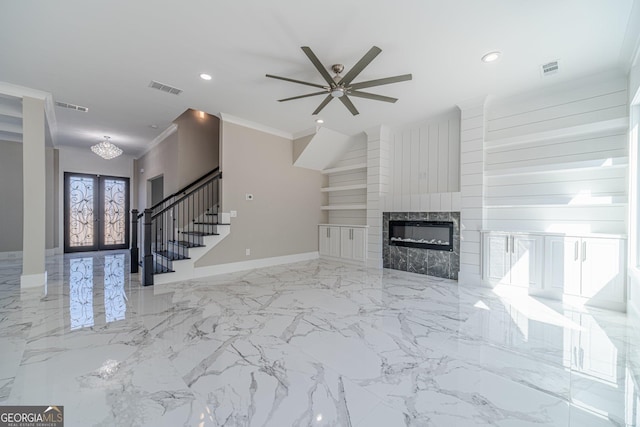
437	235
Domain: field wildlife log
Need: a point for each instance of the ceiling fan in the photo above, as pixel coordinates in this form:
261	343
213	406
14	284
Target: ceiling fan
341	87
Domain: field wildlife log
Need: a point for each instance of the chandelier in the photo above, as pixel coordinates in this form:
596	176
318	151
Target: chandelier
106	149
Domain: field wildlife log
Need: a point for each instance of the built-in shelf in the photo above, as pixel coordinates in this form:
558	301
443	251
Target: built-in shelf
614	162
621	123
343	207
345	168
344	188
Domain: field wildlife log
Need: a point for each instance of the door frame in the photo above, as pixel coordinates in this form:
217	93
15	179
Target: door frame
98	206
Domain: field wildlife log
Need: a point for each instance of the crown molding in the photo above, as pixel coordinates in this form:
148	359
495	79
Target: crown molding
257	126
158	139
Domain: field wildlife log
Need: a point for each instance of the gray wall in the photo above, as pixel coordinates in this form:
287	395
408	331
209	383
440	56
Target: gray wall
11	198
161	160
199	142
11	194
181	158
284	215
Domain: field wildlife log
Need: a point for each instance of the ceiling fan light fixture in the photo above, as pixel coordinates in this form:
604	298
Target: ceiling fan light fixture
337	92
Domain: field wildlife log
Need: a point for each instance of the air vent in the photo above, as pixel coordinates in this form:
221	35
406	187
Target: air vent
165	88
72	106
550	68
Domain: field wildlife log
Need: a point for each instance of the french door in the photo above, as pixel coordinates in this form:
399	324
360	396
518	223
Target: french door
96	212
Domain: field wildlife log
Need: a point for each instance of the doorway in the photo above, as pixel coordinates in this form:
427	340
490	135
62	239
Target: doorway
96	212
157	191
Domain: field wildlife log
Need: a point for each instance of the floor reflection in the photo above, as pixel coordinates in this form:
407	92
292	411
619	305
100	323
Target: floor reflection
81	290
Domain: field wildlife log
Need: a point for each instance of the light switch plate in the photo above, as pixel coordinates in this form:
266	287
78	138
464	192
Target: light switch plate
233	214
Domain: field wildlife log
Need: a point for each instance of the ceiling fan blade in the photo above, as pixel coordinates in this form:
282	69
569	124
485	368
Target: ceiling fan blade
303	96
360	65
316	62
323	104
372	96
380	82
295	81
347	103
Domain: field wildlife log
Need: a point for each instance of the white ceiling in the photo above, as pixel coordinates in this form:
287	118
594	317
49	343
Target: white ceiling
103	54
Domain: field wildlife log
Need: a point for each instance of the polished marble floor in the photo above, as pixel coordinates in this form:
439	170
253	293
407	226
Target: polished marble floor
308	344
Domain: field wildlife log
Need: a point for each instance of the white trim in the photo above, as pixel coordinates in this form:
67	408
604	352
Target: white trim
33	280
253	125
158	139
50	114
305	132
233	267
22	91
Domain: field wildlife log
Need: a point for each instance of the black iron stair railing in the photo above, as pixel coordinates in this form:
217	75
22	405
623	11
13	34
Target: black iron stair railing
173	225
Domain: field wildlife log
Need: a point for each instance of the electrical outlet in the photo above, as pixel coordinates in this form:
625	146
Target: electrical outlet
233	214
248	196
247	252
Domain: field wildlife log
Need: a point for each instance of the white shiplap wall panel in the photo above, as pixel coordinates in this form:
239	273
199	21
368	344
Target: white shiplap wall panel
424	159
576	182
594	99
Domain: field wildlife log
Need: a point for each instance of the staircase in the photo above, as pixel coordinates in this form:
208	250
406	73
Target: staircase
178	231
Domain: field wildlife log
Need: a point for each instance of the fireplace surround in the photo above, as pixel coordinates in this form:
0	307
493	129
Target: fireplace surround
414	250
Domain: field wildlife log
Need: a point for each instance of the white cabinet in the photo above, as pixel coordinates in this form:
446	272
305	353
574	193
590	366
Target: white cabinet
344	242
352	243
329	240
512	259
589	267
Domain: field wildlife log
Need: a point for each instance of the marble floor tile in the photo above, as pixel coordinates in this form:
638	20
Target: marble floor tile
314	343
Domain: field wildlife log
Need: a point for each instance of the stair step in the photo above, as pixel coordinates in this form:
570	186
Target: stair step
206	223
186	243
199	233
160	269
211	214
172	256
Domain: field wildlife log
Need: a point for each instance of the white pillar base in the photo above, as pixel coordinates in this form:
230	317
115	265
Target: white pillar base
28	281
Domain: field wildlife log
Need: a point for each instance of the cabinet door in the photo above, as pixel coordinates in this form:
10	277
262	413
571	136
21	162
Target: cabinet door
359	241
526	262
323	240
496	257
562	265
602	269
346	244
334	241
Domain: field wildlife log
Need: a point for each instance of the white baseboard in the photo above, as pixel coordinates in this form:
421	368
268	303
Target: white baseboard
33	280
233	267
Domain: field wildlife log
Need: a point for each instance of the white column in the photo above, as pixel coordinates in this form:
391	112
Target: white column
34	190
377	185
472	125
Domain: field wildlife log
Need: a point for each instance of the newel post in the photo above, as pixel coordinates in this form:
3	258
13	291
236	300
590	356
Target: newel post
134	241
148	255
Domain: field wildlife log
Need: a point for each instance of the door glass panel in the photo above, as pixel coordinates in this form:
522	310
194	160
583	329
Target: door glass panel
114	211
81	214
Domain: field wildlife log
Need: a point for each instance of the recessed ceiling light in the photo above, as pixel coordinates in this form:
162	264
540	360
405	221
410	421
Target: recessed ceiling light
491	56
204	76
319	121
153	126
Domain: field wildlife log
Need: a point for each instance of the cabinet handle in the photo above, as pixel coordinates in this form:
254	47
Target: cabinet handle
584	251
507	244
575	251
513	244
328	230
